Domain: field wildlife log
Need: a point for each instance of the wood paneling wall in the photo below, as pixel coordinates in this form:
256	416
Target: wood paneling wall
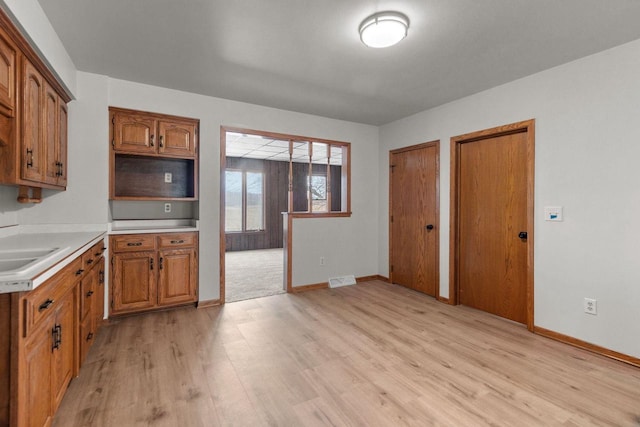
300	173
276	189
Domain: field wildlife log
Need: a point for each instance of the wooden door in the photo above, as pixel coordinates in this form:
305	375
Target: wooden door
33	124
7	77
176	138
414	217
63	356
134	134
37	378
61	142
98	309
51	141
134	282
494	184
177	276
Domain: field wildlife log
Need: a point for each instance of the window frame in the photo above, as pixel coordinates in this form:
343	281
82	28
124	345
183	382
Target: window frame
345	169
244	172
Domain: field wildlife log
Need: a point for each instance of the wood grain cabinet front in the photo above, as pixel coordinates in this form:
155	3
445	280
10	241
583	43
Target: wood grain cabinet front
136	132
164	277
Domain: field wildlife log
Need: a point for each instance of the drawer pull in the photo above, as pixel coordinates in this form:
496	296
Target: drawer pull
134	244
45	305
89	336
89	294
79	272
177	242
90	260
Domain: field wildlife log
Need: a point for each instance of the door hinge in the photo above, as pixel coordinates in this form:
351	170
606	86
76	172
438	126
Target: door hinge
111	303
391	269
391	218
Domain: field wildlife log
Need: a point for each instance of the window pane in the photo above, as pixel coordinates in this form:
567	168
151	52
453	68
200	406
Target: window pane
338	181
255	201
318	188
233	201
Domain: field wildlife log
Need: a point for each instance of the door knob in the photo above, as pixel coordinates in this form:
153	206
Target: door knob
522	235
429	227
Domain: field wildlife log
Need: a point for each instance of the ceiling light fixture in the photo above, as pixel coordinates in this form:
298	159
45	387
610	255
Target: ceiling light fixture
384	29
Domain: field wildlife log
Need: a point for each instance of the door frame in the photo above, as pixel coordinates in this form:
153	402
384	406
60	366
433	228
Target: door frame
528	127
436	144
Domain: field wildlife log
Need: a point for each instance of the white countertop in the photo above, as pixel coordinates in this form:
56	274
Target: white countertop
152	226
68	245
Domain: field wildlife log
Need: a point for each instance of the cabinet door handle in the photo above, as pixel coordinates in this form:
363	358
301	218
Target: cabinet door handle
150	263
161	261
90	260
30	161
45	305
151	140
101	277
56	337
79	272
89	336
89	294
177	242
161	141
134	244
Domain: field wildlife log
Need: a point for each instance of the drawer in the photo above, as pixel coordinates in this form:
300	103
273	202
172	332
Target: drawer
177	240
42	301
92	256
133	242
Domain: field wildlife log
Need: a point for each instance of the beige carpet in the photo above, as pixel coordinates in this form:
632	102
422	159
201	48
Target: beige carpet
253	274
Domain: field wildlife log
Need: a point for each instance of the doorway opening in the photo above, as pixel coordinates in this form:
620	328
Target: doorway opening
266	180
491	234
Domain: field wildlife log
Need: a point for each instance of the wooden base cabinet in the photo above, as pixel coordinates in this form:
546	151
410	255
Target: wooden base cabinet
47	349
163	275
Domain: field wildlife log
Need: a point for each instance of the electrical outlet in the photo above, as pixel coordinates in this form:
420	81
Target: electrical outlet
167	207
591	306
168	178
321	260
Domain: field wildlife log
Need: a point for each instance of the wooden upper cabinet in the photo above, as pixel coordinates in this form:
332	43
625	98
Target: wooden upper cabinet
7	77
177	138
32	147
151	134
51	142
62	142
134	133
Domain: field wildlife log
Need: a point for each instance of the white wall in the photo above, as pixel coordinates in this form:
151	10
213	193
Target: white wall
34	22
352	233
86	198
587	152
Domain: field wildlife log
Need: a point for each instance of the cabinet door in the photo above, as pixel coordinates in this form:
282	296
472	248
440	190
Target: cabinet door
134	282
61	142
36	387
7	77
134	134
176	138
63	355
33	123
51	141
98	304
177	276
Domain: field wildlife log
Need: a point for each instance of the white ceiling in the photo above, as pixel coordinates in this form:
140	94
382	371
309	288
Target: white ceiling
306	56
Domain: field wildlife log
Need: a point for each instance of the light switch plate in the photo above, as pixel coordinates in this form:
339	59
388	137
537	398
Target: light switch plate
553	213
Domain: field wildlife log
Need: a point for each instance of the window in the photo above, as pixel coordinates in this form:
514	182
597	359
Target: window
318	189
244	201
305	176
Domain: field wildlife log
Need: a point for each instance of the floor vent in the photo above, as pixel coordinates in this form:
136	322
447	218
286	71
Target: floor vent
336	282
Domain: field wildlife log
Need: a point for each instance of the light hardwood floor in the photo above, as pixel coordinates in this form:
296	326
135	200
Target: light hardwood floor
370	354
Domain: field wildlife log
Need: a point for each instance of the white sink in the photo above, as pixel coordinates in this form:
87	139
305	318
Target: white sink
11	254
17	261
